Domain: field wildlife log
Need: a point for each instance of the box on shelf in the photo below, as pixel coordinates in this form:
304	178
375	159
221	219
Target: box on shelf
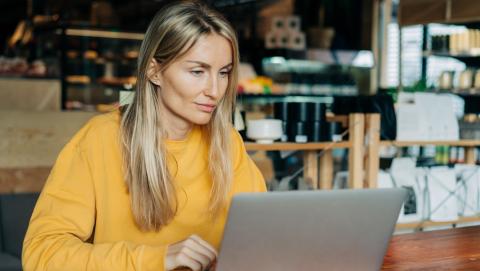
438	194
426	116
285	33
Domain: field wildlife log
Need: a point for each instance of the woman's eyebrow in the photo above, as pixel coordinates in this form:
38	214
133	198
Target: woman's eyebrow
230	65
203	64
206	65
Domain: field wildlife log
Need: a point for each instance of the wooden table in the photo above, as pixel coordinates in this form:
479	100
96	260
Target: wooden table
453	249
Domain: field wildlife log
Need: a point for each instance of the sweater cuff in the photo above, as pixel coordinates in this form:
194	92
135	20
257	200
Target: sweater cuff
153	258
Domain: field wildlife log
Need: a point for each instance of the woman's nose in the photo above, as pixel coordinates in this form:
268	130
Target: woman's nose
212	89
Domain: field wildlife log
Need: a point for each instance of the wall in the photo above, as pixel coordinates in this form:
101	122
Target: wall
29	144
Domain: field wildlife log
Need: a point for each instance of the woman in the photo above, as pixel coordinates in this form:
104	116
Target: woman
147	187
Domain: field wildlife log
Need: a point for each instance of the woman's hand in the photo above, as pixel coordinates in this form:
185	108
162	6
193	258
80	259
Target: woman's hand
193	252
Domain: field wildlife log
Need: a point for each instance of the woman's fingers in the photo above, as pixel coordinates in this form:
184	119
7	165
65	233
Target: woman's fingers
199	257
187	261
200	248
205	244
213	266
193	252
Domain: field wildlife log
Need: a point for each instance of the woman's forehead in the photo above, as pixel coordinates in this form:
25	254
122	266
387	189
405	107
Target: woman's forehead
212	49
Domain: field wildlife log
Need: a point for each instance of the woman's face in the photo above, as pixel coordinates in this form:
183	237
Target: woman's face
192	86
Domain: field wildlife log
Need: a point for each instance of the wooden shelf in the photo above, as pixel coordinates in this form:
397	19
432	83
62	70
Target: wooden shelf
297	146
459	143
459	54
342	119
426	224
94	33
318	169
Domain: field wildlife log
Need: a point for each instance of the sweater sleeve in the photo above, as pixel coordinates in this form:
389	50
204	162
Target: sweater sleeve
63	221
246	173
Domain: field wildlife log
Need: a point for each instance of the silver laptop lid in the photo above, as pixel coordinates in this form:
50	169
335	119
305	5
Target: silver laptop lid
310	230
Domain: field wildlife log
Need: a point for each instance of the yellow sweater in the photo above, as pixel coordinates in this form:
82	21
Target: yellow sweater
83	219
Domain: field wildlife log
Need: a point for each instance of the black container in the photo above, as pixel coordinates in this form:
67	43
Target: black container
321	131
280	111
297	132
284	130
302	120
316	131
318	111
299	112
318	125
330	130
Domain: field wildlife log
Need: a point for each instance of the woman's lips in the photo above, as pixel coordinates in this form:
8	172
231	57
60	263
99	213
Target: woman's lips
208	108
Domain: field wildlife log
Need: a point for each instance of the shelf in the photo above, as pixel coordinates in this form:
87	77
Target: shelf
129	81
318	60
289	95
459	143
297	146
470	58
414	12
78	79
120	83
102	60
84	61
273	98
461	54
92	33
425	224
25	77
460	92
253	95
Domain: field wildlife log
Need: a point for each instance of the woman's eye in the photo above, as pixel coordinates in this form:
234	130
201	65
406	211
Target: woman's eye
224	73
197	72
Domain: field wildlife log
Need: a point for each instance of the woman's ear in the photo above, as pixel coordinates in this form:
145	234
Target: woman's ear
154	73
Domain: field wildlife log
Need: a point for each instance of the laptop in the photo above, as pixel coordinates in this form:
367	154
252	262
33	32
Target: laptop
310	230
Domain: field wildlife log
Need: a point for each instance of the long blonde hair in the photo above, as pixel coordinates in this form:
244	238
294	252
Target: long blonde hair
172	32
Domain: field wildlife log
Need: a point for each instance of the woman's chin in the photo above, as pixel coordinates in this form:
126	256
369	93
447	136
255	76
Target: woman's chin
201	121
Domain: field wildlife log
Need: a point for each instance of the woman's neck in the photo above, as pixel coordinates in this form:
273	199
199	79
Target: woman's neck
177	131
176	127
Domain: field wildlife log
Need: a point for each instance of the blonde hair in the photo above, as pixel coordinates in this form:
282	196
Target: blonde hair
172	32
